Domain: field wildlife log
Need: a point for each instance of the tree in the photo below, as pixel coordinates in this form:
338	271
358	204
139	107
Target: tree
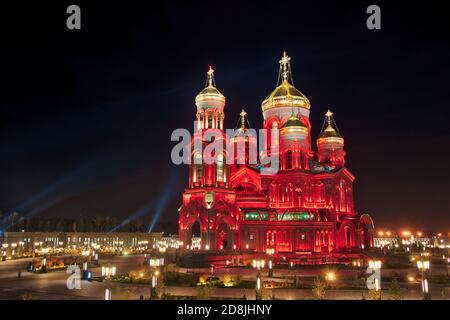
395	292
319	288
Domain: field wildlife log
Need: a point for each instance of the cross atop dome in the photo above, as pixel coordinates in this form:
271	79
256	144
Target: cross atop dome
284	64
328	114
210	74
243	114
329	129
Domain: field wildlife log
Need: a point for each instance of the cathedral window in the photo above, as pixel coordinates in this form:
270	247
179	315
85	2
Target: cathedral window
220	167
320	191
289	159
342	200
210	120
347	235
219	121
198	167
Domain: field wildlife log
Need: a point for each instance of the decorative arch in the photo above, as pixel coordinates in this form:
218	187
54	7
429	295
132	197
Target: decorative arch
367	230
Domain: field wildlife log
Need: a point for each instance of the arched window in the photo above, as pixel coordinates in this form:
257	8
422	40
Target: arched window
342	200
220	167
198	167
320	191
274	134
219	121
348	237
288	159
210	120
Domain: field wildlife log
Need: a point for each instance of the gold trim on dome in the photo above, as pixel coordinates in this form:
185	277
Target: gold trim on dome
325	140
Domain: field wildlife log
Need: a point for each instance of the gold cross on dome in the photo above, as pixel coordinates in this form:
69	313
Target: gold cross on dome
243	114
284	62
210	75
328	115
285	59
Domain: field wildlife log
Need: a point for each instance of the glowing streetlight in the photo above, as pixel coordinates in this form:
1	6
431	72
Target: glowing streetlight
330	276
155	263
270	267
258	263
109	271
424	266
258	292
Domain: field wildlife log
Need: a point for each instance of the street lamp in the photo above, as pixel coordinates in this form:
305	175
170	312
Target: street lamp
330	276
155	262
258	264
270	252
258	286
375	265
424	266
108	272
270	267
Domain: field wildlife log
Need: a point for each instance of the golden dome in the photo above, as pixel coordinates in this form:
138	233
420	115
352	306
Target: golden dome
210	97
293	121
294	129
330	134
285	95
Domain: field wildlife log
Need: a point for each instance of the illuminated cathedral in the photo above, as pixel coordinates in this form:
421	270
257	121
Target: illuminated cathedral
304	211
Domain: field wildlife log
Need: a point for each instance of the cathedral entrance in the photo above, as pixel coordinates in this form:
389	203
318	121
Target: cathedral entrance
223	237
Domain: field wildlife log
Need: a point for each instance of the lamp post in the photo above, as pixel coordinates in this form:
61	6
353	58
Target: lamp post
5	247
155	262
258	286
424	266
107	272
258	264
269	252
375	265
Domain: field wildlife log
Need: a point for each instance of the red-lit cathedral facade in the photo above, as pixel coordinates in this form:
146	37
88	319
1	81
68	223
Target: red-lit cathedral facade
305	210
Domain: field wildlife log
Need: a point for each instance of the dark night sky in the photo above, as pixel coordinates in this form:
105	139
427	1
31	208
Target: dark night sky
86	116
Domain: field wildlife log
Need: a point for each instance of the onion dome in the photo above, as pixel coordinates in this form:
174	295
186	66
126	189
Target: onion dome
330	135
285	94
241	133
294	129
210	97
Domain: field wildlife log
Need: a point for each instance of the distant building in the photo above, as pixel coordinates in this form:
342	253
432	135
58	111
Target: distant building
16	243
